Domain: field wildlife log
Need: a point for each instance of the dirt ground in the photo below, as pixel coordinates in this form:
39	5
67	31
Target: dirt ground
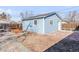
9	43
68	44
39	42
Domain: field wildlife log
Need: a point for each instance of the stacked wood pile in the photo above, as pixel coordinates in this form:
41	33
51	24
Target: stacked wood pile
15	27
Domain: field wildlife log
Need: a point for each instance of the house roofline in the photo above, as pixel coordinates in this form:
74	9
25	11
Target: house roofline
52	13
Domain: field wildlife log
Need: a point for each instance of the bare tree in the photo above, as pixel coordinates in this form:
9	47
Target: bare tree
8	16
22	15
72	16
26	14
4	16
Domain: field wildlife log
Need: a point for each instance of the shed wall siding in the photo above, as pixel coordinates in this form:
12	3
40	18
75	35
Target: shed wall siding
25	25
39	27
43	25
51	27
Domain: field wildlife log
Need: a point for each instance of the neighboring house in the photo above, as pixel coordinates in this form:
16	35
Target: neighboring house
7	25
10	26
43	23
4	26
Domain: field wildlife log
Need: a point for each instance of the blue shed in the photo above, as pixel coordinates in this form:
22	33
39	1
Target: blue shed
43	23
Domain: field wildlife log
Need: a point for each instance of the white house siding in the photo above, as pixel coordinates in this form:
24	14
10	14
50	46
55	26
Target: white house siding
54	27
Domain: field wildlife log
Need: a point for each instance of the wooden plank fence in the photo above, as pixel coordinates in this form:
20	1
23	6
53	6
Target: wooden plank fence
70	26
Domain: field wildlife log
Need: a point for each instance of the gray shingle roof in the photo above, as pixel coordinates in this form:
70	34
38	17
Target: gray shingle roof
41	16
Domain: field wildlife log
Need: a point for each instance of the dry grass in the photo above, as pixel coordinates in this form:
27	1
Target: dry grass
39	42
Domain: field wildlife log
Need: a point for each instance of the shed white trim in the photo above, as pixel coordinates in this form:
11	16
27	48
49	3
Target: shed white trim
43	26
59	25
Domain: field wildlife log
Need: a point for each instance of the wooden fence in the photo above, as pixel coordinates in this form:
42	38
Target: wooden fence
70	26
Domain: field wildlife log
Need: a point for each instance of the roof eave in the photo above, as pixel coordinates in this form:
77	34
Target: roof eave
32	19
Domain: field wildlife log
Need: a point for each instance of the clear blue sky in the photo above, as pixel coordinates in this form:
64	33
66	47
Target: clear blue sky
15	10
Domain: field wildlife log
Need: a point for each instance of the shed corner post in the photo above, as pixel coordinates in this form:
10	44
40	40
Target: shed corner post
43	25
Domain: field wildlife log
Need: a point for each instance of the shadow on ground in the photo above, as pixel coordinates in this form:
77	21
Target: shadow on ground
68	44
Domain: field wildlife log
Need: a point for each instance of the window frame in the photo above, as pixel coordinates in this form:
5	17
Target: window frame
35	22
50	22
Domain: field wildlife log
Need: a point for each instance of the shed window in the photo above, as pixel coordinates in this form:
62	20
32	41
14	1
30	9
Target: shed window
51	22
35	22
1	26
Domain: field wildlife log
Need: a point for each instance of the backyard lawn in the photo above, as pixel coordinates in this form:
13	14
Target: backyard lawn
39	42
